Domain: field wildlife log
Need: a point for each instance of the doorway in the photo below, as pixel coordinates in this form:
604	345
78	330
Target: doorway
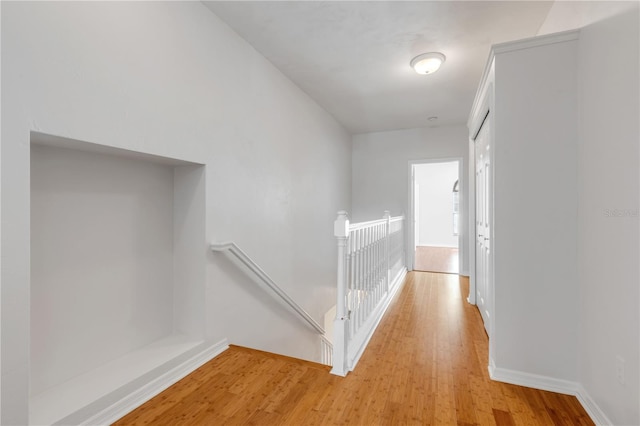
435	188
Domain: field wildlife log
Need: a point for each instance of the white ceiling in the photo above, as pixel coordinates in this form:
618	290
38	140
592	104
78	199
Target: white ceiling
353	57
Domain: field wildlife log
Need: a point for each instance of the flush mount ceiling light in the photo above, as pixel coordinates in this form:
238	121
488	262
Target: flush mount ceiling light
427	63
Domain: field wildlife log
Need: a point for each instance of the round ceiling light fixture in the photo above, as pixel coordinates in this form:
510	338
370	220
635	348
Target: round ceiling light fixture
427	63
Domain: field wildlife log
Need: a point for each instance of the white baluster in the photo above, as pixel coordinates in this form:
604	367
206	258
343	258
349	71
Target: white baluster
363	309
374	267
367	303
358	283
383	263
378	250
352	280
370	255
383	273
365	273
387	216
341	323
356	278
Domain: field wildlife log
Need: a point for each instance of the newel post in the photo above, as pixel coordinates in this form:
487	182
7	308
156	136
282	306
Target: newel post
387	217
341	323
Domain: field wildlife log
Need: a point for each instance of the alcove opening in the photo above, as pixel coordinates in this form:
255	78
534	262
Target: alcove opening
117	272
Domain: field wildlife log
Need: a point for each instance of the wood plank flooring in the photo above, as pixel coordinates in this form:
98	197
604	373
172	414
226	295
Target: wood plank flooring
436	259
426	365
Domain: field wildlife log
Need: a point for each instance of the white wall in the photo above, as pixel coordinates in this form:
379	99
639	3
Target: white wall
571	15
189	236
436	182
566	234
171	79
380	175
101	260
535	210
608	199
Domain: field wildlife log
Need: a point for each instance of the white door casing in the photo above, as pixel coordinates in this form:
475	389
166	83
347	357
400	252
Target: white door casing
412	239
483	223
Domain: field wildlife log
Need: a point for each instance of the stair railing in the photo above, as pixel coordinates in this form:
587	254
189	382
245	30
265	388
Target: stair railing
371	265
326	353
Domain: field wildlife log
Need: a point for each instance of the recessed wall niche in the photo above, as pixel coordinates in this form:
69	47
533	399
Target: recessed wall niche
117	272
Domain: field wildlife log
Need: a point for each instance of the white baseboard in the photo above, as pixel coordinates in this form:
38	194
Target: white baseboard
147	391
592	409
552	385
533	381
372	324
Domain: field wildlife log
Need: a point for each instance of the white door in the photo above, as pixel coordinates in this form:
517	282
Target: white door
483	223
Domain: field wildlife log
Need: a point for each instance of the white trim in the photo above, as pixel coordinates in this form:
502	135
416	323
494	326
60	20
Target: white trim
533	381
512	46
471	222
491	367
482	114
551	384
326	351
543	40
360	225
482	107
480	99
592	409
375	319
144	393
266	279
410	243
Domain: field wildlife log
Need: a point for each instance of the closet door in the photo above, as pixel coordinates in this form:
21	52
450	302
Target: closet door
483	222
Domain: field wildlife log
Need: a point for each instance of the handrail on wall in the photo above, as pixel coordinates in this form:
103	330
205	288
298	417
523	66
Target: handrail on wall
260	273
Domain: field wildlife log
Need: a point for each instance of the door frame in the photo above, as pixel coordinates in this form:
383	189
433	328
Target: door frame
483	108
483	232
410	246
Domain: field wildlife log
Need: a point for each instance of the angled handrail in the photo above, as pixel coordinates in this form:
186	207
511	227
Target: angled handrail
260	273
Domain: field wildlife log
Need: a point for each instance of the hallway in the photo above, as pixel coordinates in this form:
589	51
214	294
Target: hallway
426	364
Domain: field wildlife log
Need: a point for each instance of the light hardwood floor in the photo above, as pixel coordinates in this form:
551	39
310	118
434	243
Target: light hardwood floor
425	365
436	259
